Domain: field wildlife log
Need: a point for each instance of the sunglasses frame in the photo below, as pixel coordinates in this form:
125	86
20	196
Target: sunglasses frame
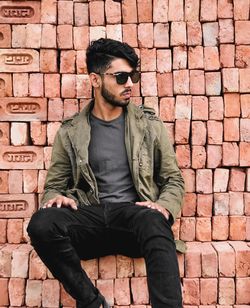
131	74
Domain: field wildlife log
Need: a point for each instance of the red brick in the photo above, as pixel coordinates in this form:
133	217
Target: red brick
20	84
8	10
68	88
247	199
145	10
208	10
164	84
33	293
30	181
50	293
211	57
33	36
242	32
226	259
230	154
226	291
81	66
19	60
237	230
122	291
152	102
65	36
199	133
194	33
181	82
83	86
241	10
198	157
204	205
209	260
19	34
106	287
245	130
48	12
189	179
231	129
112	12
129	11
91	268
179	57
81	14
182	131
3	232
214	156
214	131
189	204
230	79
187	229
199	107
236	203
242	252
65	299
216	108
16	291
197	82
139	290
192	10
19	133
48	61
176	229
225	9
210	33
221	177
242	59
193	260
191	291
149	84
183	156
96	33
232	104
244	80
244	154
237	179
213	83
10	202
180	258
52	85
4	298
167	109
15	181
4	133
67	61
38	133
81	37
242	290
226	31
36	85
42	176
160	11
195	57
48	36
245	105
175	10
15	231
5	34
129	34
208	291
47	156
148	59
161	35
65	12
37	269
70	107
139	267
20	261
124	266
220	228
203	229
221	204
5	85
107	267
178	34
227	55
52	129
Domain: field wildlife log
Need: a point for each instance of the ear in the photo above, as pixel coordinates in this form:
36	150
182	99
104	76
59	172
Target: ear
95	80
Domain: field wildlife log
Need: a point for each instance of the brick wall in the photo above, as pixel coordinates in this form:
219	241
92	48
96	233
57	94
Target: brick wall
195	63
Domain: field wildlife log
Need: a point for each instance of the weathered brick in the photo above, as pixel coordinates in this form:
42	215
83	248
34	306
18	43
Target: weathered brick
242	252
5	85
3	231
214	156
195	57
209	260
149	84
145	11
216	108
124	266
226	31
214	132
244	154
38	133
241	9
208	291
15	231
187	229
81	37
33	293
36	85
242	32
204	205
17	205
213	83
179	57
37	269
189	204
160	35
230	154
16	289
20	84
242	290
210	32
194	33
197	82
65	36
203	229
129	34
129	11
175	10
182	131
237	179
4	133
178	34
107	267
211	58
208	10
48	39
192	10
19	134
122	291
226	259
81	14
20	261
189	178
220	228
139	290
183	156
106	287
221	177
5	34
193	260
226	291
227	55
231	129
49	11
65	12
181	82
4	298
191	291
199	108
50	293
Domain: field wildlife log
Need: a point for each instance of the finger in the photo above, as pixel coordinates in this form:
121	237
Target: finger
59	203
73	204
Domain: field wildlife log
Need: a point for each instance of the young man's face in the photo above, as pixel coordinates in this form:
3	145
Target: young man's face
114	93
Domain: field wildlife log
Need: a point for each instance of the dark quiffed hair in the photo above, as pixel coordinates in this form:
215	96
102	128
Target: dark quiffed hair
102	52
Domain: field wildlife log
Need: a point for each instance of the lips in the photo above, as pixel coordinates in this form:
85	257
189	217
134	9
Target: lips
127	94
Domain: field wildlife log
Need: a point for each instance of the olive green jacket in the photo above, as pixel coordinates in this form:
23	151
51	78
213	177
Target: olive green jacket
151	157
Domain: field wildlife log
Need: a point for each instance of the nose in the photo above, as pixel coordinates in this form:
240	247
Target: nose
129	83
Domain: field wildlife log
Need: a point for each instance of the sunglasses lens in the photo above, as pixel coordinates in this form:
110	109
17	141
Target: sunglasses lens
122	78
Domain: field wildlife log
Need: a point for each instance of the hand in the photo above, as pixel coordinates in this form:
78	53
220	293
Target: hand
61	201
155	206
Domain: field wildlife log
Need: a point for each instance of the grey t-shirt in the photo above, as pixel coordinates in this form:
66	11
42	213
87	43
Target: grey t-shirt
109	162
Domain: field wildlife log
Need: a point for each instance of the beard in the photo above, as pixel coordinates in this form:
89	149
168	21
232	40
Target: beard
110	98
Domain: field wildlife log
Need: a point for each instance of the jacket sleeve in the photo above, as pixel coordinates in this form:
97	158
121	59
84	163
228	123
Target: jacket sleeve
59	172
169	178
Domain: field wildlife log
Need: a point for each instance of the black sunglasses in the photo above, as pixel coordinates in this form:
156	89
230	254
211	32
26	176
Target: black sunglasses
122	77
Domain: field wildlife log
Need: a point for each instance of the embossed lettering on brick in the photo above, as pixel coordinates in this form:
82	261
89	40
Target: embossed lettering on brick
22	157
19	60
17	205
20	12
23	109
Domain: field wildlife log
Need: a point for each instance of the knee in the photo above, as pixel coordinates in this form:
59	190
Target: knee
40	225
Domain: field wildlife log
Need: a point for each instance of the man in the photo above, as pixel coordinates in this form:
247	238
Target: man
113	186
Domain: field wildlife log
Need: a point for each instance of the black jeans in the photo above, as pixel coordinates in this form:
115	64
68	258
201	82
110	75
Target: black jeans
62	237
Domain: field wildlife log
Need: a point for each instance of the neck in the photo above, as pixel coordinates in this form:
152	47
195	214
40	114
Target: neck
105	111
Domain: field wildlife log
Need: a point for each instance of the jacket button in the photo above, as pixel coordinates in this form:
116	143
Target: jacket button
140	164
